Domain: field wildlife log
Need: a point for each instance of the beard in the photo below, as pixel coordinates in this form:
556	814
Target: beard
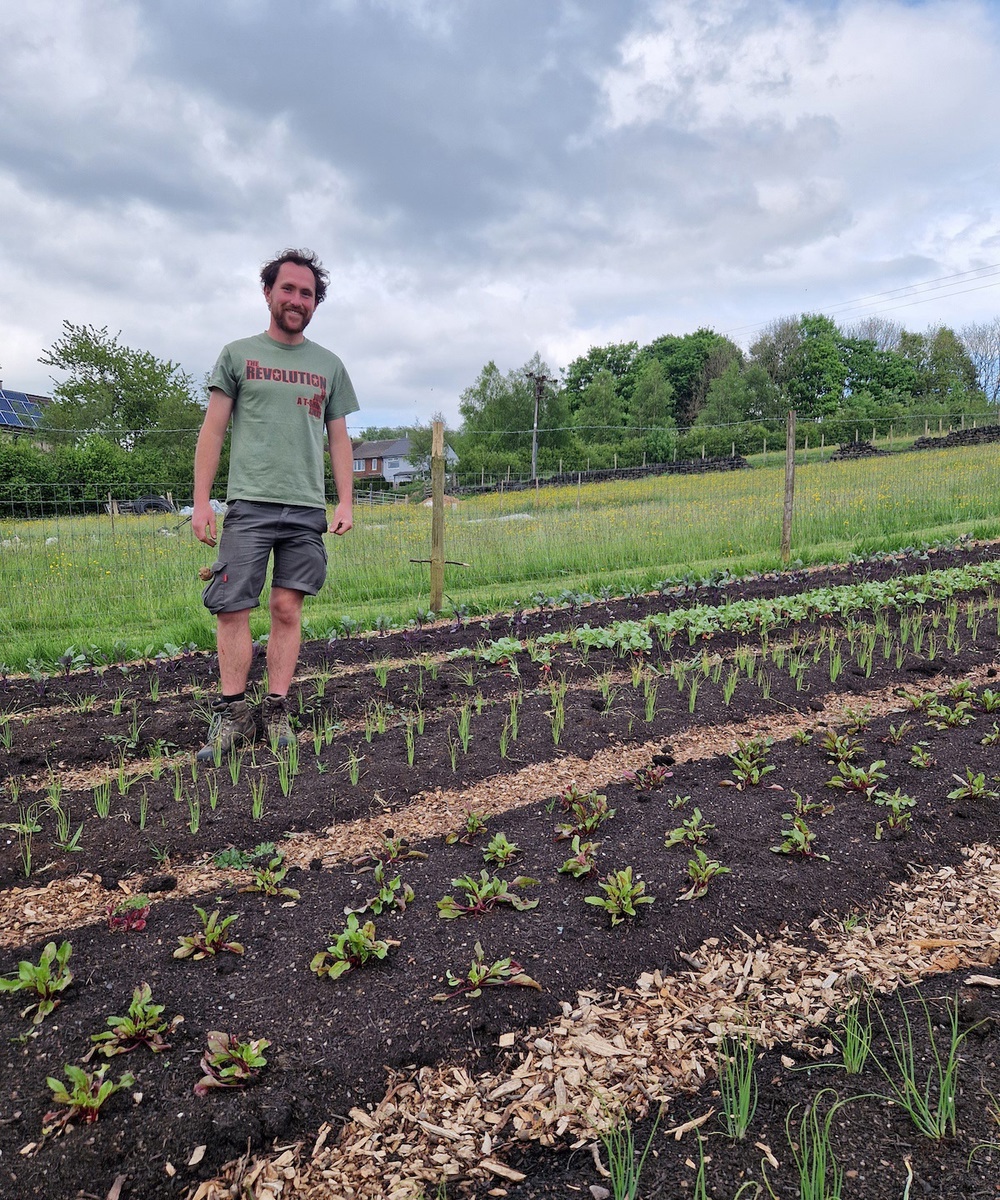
290	319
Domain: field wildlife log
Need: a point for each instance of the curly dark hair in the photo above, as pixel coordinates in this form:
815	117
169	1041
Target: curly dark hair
301	258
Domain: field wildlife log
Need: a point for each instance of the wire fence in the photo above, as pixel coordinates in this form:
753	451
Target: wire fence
81	574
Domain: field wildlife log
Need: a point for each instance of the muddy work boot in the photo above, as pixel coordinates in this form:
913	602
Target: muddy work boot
274	717
232	725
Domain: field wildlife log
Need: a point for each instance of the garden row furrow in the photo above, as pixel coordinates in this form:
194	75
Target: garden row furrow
27	913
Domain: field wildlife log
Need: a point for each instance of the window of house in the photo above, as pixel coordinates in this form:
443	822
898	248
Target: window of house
359	464
374	465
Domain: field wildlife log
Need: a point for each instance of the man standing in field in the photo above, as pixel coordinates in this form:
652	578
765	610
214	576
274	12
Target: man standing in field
286	397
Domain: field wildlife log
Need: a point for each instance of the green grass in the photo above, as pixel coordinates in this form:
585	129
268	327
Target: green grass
138	586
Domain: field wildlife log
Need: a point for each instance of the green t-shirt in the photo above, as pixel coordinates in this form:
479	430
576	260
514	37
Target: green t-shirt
283	398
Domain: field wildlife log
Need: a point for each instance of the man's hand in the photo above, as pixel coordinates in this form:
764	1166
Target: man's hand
343	520
203	523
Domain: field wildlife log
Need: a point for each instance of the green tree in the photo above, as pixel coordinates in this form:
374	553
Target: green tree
126	396
818	368
498	411
690	363
618	358
600	415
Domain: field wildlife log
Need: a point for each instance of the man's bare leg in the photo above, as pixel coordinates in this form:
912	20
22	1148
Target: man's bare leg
283	643
235	650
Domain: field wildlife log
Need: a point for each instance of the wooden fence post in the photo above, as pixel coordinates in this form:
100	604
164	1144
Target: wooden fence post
786	519
437	516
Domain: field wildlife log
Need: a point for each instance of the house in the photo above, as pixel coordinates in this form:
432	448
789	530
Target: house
388	460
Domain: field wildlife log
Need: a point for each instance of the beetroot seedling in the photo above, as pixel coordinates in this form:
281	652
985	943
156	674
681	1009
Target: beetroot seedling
647	779
750	764
583	859
267	880
504	972
47	980
701	871
230	1063
142	1025
352	948
900	808
390	849
83	1099
972	787
128	914
798	839
693	832
921	757
858	779
590	810
483	895
838	747
473	826
500	850
622	893
392	893
209	940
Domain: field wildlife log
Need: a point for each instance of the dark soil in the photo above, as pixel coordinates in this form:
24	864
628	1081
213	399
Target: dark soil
332	1043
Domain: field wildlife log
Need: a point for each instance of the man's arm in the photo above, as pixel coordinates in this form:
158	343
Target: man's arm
206	463
342	462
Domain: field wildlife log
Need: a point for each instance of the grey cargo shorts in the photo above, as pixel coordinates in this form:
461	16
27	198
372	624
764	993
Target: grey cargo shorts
251	532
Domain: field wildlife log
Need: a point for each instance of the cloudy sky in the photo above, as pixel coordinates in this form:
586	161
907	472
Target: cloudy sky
488	178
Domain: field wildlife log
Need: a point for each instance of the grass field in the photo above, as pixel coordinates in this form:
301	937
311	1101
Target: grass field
76	581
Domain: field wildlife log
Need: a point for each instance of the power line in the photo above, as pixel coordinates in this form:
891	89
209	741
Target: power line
935	284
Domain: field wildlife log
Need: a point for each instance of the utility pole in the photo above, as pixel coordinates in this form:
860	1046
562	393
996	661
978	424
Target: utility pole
539	381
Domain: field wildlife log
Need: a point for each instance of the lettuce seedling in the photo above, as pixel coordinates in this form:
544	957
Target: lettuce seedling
390	850
209	939
240	860
83	1098
621	894
267	880
129	914
484	894
473	826
354	947
392	893
141	1026
230	1063
583	859
504	972
51	976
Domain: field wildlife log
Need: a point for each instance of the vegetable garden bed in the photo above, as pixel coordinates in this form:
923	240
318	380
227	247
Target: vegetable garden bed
826	740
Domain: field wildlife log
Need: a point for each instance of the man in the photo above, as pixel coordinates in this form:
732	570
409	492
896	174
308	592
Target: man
286	397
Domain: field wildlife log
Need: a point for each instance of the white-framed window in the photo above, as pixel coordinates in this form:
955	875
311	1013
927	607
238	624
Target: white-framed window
359	464
374	465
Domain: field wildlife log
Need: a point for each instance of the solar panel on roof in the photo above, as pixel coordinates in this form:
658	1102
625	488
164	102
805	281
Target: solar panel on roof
17	411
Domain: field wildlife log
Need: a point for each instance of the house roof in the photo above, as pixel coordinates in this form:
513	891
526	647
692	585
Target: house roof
400	446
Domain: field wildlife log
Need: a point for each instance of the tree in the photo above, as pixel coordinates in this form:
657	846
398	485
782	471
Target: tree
127	396
498	411
818	370
600	416
618	358
982	345
689	363
652	398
